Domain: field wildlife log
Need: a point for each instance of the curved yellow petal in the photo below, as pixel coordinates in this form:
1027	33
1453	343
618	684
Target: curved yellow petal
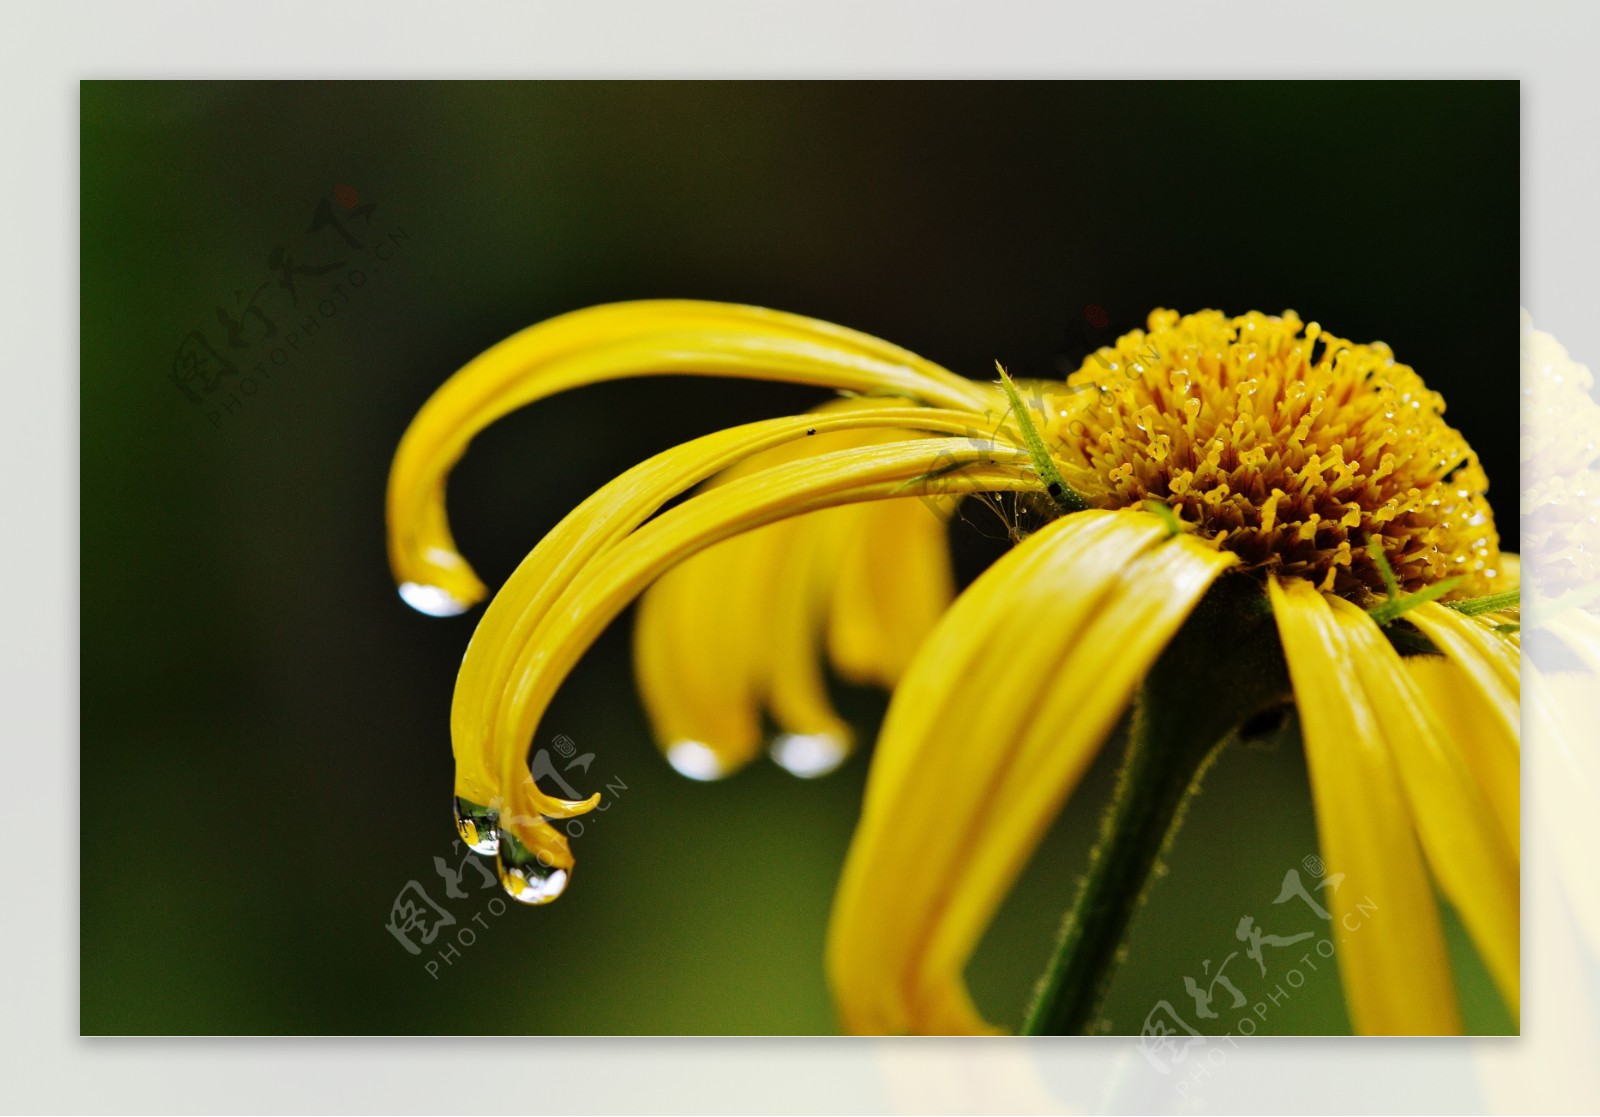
1462	716
1491	661
1464	841
1391	949
603	587
893	583
705	709
797	688
606	343
597	524
874	576
979	751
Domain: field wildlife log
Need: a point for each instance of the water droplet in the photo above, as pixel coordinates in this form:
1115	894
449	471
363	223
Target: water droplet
696	759
478	826
432	600
808	755
528	878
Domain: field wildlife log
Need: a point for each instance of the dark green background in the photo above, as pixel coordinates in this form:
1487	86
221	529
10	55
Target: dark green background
265	759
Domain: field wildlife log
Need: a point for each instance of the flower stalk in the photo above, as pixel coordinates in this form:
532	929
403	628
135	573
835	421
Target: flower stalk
1222	670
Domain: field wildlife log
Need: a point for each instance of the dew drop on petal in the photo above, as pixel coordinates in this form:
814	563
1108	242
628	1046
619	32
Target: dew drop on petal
526	877
695	759
478	826
432	600
808	755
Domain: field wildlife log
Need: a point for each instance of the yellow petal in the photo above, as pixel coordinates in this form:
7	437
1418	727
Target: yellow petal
965	780
598	524
1462	716
1492	662
1464	842
755	639
704	708
893	584
797	689
608	343
1391	949
603	587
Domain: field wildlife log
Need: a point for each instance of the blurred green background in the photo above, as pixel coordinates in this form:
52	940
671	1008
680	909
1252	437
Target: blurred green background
265	757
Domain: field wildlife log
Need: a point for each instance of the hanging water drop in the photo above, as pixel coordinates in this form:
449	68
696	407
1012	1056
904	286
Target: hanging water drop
478	826
696	759
808	755
435	601
528	878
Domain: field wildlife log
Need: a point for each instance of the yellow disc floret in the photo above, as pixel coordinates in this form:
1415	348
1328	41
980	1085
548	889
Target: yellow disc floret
1288	446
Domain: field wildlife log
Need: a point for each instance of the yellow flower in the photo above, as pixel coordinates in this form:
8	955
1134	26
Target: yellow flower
1248	512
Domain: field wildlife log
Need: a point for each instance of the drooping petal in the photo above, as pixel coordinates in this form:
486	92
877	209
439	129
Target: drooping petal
872	577
605	586
598	524
977	754
796	686
1391	948
1465	843
607	343
1492	662
893	584
1462	716
704	706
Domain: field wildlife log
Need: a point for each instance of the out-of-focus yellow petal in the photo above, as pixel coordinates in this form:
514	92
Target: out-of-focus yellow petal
607	343
1465	843
1391	949
765	602
1491	661
598	524
1463	717
797	687
893	584
605	586
705	709
964	782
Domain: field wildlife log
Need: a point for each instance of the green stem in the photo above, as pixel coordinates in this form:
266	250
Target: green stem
1223	668
1163	765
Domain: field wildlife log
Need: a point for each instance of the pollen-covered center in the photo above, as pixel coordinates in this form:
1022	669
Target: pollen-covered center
1283	444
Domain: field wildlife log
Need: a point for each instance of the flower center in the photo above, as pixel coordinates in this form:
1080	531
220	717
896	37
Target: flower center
1285	445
